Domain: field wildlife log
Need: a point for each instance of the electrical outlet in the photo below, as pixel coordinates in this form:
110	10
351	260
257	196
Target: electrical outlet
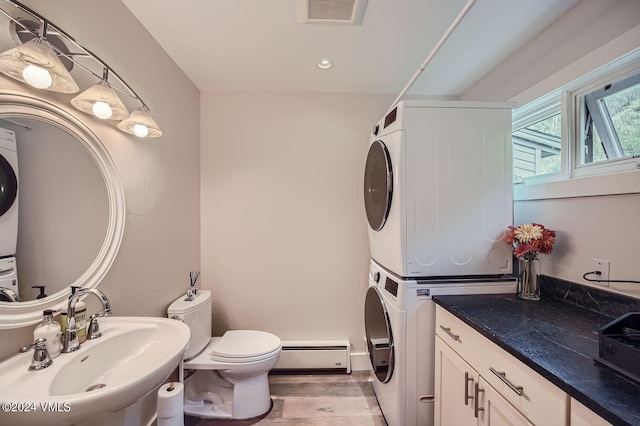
603	267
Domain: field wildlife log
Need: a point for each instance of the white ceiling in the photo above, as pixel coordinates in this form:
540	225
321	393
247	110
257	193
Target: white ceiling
259	45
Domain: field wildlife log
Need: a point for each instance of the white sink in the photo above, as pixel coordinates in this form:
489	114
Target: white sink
132	358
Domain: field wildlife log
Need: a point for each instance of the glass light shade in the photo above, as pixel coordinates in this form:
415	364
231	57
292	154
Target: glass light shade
38	57
101	94
139	123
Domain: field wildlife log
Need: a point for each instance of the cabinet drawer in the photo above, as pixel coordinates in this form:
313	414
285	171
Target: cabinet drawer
459	336
538	399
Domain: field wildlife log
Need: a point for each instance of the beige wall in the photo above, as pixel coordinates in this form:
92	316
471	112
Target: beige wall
604	227
161	177
592	34
284	236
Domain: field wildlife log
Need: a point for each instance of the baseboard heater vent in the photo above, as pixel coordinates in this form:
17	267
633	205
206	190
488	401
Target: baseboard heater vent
314	355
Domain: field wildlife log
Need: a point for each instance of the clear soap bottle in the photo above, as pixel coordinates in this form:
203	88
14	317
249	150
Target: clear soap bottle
50	330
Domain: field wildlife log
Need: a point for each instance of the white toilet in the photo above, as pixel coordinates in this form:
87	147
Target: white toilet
230	380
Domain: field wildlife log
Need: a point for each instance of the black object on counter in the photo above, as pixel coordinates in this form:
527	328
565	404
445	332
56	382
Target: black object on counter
620	345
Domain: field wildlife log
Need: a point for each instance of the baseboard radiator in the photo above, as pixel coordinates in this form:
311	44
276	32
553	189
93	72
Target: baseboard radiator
314	355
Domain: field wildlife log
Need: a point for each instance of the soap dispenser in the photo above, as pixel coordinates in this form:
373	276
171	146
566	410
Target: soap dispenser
42	294
51	331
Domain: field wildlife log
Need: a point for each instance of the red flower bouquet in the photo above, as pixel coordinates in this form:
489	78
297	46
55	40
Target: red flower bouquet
530	239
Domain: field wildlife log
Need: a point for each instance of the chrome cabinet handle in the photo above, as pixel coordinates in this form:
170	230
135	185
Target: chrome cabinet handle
476	391
448	331
503	376
467	379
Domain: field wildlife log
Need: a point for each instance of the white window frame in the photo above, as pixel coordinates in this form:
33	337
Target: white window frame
615	176
614	165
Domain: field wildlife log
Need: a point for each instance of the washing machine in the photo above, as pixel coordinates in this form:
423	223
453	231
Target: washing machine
400	338
438	189
8	193
9	291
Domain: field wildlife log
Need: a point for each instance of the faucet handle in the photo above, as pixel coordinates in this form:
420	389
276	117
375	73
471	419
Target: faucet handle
93	331
39	341
41	358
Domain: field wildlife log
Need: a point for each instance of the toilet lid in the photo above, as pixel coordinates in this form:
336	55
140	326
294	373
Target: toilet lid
245	344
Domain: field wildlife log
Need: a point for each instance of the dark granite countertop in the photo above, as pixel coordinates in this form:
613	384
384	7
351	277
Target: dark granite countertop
558	340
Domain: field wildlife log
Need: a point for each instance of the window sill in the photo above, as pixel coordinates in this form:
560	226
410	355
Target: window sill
610	184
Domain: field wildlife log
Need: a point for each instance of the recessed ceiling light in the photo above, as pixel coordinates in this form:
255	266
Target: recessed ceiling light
325	64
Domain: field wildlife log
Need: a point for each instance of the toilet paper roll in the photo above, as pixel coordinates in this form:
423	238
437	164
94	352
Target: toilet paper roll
170	404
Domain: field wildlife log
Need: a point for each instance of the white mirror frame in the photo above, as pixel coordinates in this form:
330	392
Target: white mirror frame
16	105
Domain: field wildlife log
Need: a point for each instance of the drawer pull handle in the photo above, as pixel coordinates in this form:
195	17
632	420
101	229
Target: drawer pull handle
448	331
476	391
467	379
503	376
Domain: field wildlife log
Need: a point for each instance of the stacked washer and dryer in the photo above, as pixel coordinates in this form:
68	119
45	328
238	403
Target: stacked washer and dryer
8	216
438	198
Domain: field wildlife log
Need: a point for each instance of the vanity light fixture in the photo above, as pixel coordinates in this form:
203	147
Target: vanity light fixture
36	64
325	64
141	124
101	101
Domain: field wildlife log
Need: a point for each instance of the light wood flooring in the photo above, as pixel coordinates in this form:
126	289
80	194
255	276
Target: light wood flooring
315	400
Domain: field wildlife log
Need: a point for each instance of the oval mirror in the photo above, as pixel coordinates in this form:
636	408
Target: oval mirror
70	205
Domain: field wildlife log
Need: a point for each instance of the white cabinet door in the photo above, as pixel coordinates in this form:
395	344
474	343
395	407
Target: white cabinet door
454	404
582	416
494	410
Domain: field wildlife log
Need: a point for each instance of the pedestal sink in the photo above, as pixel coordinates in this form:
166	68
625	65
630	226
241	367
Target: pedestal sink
132	358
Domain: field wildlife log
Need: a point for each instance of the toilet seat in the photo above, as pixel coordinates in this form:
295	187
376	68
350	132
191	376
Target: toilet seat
245	346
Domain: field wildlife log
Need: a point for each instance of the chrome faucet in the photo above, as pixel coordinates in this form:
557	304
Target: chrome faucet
41	358
70	340
9	295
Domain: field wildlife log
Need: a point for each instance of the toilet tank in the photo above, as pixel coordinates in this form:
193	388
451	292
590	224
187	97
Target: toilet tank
196	314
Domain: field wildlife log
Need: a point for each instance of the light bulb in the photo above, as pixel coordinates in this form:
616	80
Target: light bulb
102	110
325	64
140	130
37	77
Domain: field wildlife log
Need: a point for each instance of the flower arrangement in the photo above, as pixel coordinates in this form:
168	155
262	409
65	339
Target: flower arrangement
530	239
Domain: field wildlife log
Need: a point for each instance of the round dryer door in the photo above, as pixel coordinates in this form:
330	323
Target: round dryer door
379	336
378	185
8	185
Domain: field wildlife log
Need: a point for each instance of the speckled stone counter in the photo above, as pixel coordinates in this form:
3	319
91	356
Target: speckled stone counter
558	340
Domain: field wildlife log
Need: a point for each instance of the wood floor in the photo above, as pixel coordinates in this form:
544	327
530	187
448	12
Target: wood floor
314	400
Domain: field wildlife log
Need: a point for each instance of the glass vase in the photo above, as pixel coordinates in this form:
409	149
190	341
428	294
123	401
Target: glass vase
528	279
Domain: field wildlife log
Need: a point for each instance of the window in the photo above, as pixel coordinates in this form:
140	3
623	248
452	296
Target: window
536	148
590	127
611	122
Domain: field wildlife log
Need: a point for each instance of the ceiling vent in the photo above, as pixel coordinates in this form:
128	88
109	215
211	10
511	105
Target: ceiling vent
349	12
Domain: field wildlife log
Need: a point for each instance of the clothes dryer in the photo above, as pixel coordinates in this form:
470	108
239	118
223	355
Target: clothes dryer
8	193
438	189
